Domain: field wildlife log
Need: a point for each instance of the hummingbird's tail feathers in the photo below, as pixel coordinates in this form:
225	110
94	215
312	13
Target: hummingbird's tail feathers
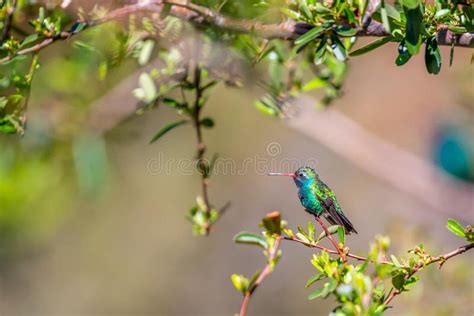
338	218
347	224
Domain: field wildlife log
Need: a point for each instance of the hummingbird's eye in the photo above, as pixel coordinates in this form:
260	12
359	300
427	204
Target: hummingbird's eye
301	175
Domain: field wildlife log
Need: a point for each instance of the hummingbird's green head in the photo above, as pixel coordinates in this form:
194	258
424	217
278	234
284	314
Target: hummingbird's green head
304	176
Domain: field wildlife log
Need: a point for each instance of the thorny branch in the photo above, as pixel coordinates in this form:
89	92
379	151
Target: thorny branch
201	15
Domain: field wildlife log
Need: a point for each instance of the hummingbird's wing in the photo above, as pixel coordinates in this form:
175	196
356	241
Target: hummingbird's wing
334	213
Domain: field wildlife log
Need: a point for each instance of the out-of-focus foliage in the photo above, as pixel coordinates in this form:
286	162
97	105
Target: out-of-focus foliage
34	192
317	58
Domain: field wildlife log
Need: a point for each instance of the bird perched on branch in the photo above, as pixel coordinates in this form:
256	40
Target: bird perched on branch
317	198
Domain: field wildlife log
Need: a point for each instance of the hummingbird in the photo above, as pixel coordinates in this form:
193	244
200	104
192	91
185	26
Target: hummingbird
317	198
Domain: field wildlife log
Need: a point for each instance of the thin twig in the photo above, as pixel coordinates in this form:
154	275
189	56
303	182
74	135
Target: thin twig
333	241
265	272
442	259
317	246
201	147
113	15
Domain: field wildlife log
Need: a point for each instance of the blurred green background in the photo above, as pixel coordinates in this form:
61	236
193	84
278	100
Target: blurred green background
86	228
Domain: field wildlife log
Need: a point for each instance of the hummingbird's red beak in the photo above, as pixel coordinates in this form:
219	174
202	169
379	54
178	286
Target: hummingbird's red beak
292	175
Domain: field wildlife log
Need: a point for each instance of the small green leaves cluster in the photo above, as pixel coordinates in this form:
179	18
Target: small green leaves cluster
201	218
408	22
182	85
13	106
360	289
310	235
456	228
269	242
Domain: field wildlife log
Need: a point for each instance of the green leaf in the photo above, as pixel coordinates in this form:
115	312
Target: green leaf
240	282
411	4
361	268
395	261
145	52
251	239
320	52
398	281
314	84
403	54
385	21
83	45
310	35
254	278
456	228
332	230
457	29
303	6
29	39
345	30
172	103
413	30
412	280
7	126
379	310
328	288
338	49
166	129
207	122
441	13
311	230
321	9
402	59
314	279
432	56
293	15
341	234
371	46
392	12
302	237
316	294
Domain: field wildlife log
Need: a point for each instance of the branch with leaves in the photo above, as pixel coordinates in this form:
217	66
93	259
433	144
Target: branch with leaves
193	80
310	34
358	290
304	44
302	14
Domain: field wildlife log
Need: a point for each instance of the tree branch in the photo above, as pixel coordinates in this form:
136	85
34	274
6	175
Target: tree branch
265	272
113	15
202	15
421	264
333	241
201	147
317	246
